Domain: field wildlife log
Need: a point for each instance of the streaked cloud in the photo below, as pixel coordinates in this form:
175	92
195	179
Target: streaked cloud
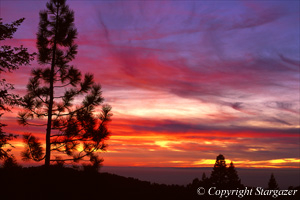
186	80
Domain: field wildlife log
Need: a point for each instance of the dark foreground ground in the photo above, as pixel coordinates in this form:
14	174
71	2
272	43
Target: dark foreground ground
69	184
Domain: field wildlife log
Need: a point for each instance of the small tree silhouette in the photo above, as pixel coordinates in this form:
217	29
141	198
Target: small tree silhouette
219	175
272	185
204	178
10	59
72	130
233	178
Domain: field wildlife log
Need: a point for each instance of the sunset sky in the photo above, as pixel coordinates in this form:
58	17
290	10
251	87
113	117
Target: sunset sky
187	80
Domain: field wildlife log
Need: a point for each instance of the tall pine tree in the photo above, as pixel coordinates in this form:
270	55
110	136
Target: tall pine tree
72	130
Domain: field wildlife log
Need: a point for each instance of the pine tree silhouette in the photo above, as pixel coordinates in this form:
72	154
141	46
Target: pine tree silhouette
71	129
219	175
233	178
204	178
273	183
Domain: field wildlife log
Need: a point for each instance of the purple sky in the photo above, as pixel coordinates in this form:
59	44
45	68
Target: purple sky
187	80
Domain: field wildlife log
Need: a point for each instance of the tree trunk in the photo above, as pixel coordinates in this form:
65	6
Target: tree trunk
51	95
49	122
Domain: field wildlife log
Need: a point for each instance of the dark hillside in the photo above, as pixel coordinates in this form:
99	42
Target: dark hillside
65	183
37	183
